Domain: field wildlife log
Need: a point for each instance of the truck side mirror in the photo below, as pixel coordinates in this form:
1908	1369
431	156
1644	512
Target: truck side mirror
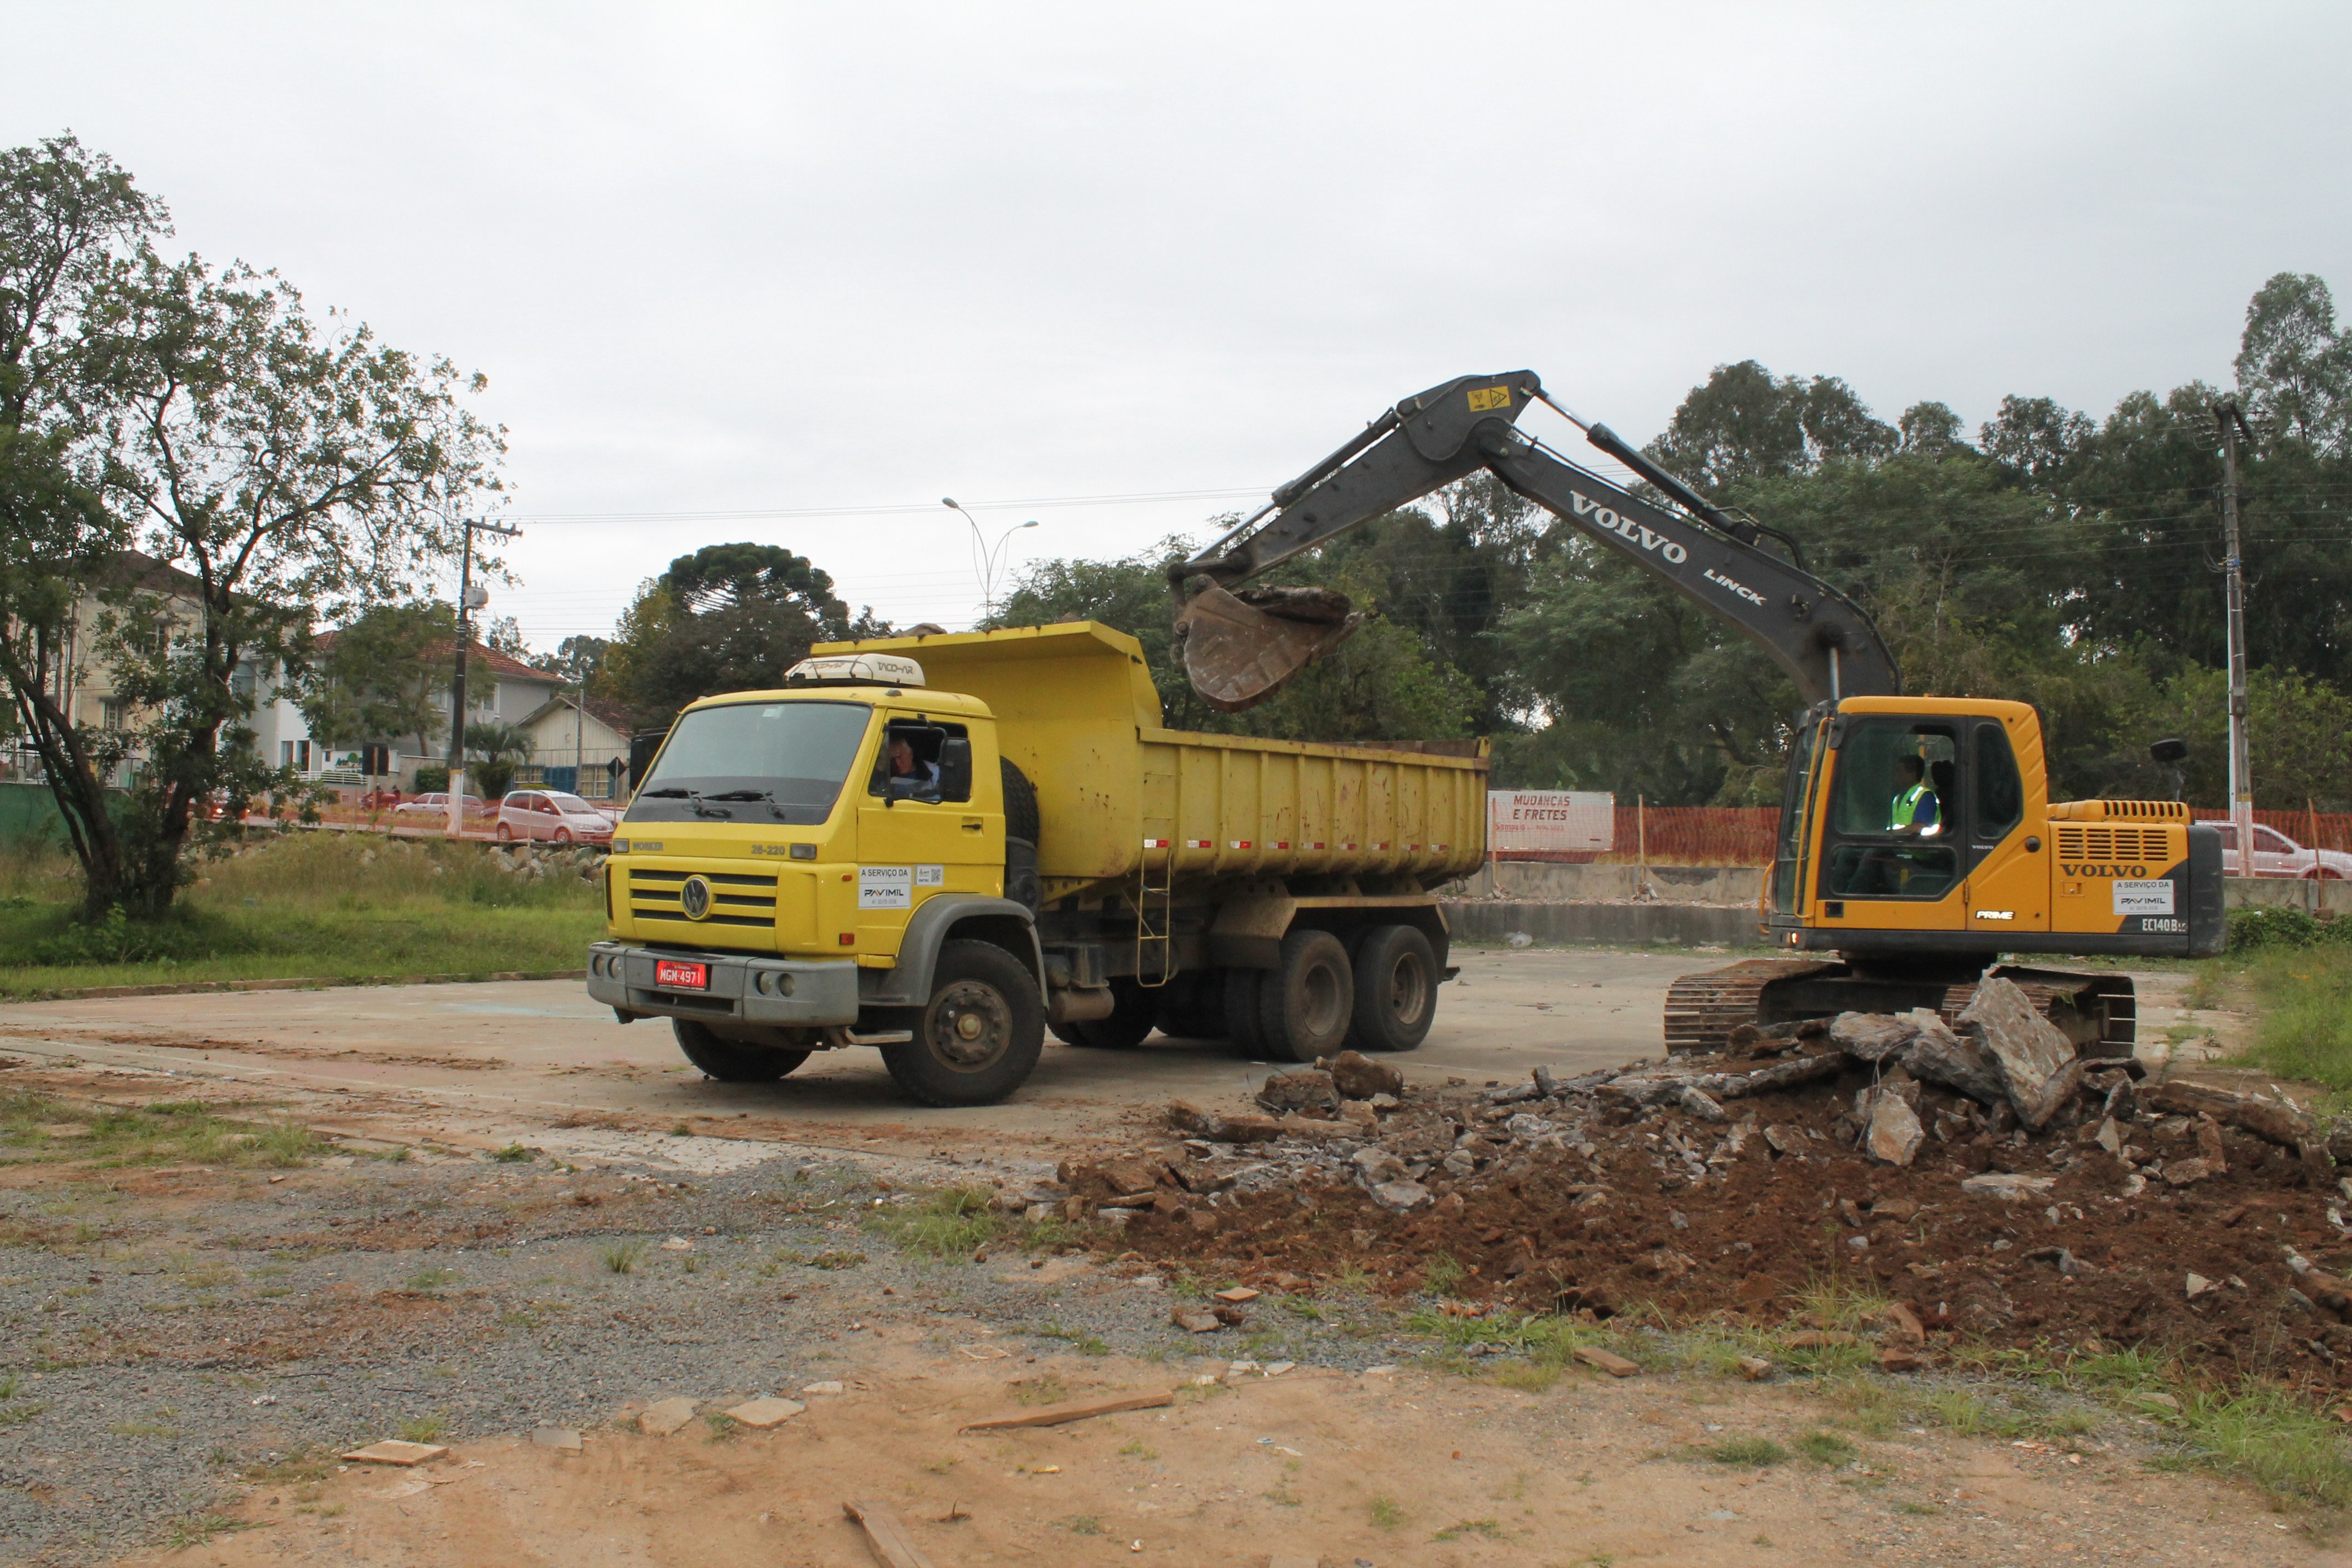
955	768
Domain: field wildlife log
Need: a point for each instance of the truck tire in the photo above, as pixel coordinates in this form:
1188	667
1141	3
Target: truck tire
1020	802
1133	1012
1192	1005
1396	989
734	1061
1240	995
979	1037
1304	1007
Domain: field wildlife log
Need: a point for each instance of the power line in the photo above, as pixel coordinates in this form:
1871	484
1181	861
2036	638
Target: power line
746	514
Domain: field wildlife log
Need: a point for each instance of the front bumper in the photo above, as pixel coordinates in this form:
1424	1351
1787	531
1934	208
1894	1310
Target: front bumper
785	992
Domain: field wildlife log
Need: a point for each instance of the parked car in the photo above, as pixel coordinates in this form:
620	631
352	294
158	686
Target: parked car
2276	854
433	808
553	816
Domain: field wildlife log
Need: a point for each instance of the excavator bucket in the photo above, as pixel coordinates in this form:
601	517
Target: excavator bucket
1242	648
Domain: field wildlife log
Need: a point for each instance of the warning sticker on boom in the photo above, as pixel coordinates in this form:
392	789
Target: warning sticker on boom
1482	398
2143	897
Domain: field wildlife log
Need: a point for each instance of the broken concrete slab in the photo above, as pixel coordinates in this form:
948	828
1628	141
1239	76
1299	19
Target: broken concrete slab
393	1451
1194	1322
762	1414
1403	1198
2003	1184
1894	1134
665	1416
829	1385
562	1438
1872	1037
2028	1048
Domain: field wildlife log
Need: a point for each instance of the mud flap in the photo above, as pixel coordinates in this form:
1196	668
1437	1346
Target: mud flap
1240	649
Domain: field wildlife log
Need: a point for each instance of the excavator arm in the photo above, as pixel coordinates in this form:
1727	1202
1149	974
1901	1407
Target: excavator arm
1241	647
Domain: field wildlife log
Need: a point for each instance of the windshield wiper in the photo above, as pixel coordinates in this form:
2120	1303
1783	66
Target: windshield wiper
774	806
693	798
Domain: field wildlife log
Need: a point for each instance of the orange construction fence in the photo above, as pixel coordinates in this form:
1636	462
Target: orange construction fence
1743	836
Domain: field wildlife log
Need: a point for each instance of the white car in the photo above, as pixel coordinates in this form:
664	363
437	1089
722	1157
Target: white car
552	816
433	808
2276	854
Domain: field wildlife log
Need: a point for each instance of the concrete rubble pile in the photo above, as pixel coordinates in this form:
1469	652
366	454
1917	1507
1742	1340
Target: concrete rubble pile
2004	1071
1979	1169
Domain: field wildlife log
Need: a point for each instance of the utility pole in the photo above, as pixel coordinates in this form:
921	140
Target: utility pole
2241	783
469	599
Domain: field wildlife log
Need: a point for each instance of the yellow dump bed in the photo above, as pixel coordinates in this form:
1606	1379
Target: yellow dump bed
1118	793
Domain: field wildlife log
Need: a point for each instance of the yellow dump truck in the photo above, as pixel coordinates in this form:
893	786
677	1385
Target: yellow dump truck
943	846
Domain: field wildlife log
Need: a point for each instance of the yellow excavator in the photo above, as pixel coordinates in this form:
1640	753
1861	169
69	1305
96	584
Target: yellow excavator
1917	840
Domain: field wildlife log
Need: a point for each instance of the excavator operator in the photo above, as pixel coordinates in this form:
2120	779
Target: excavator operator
1915	811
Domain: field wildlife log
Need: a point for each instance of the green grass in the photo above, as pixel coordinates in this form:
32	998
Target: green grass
1385	1512
622	1256
2305	999
168	1132
424	1428
956	1222
324	906
1826	1449
1487	1529
1747	1451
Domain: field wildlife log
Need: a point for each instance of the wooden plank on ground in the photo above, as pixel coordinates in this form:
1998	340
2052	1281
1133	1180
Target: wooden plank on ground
885	1536
1056	1414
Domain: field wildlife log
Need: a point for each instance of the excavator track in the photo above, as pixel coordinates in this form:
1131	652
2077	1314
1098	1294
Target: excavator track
2097	1012
1703	1009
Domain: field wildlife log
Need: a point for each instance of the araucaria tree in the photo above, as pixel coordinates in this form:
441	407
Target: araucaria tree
194	469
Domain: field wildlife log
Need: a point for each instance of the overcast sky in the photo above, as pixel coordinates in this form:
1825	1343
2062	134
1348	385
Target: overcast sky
737	259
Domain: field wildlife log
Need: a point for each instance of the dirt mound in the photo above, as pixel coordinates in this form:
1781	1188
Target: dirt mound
2032	1199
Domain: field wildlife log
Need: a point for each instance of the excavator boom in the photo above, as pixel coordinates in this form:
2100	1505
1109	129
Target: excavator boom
1240	648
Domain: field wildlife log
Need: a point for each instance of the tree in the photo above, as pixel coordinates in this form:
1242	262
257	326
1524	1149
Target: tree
581	657
280	467
505	635
383	676
729	618
1381	684
497	746
69	222
1745	423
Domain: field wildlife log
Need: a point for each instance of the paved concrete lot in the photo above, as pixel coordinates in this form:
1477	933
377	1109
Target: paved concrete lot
472	1065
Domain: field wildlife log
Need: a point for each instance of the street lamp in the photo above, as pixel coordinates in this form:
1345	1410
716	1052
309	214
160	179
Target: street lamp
988	558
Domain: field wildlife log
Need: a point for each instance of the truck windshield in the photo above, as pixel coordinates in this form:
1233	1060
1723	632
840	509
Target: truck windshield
754	762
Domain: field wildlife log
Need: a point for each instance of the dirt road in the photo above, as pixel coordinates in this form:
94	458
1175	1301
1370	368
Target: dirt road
479	1066
193	1327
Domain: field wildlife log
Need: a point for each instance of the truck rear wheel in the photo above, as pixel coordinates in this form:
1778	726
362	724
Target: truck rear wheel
1240	995
1132	1014
1192	1005
1304	1007
734	1061
1396	989
979	1037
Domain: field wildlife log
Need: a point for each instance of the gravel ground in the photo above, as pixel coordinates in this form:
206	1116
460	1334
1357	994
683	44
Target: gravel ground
170	1331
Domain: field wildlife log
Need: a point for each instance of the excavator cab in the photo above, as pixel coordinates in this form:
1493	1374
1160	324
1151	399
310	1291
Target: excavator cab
1918	845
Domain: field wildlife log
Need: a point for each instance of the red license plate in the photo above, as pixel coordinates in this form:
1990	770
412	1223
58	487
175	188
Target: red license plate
683	976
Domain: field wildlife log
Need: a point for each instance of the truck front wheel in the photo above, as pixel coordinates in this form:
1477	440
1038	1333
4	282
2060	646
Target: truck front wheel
1304	1007
1396	989
979	1037
734	1061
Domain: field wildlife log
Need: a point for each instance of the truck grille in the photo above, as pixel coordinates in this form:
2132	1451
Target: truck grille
736	899
2141	843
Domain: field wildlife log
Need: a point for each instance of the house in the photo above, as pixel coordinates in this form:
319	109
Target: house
579	746
83	685
499	687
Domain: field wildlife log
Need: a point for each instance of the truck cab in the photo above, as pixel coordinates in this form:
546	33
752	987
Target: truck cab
796	862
